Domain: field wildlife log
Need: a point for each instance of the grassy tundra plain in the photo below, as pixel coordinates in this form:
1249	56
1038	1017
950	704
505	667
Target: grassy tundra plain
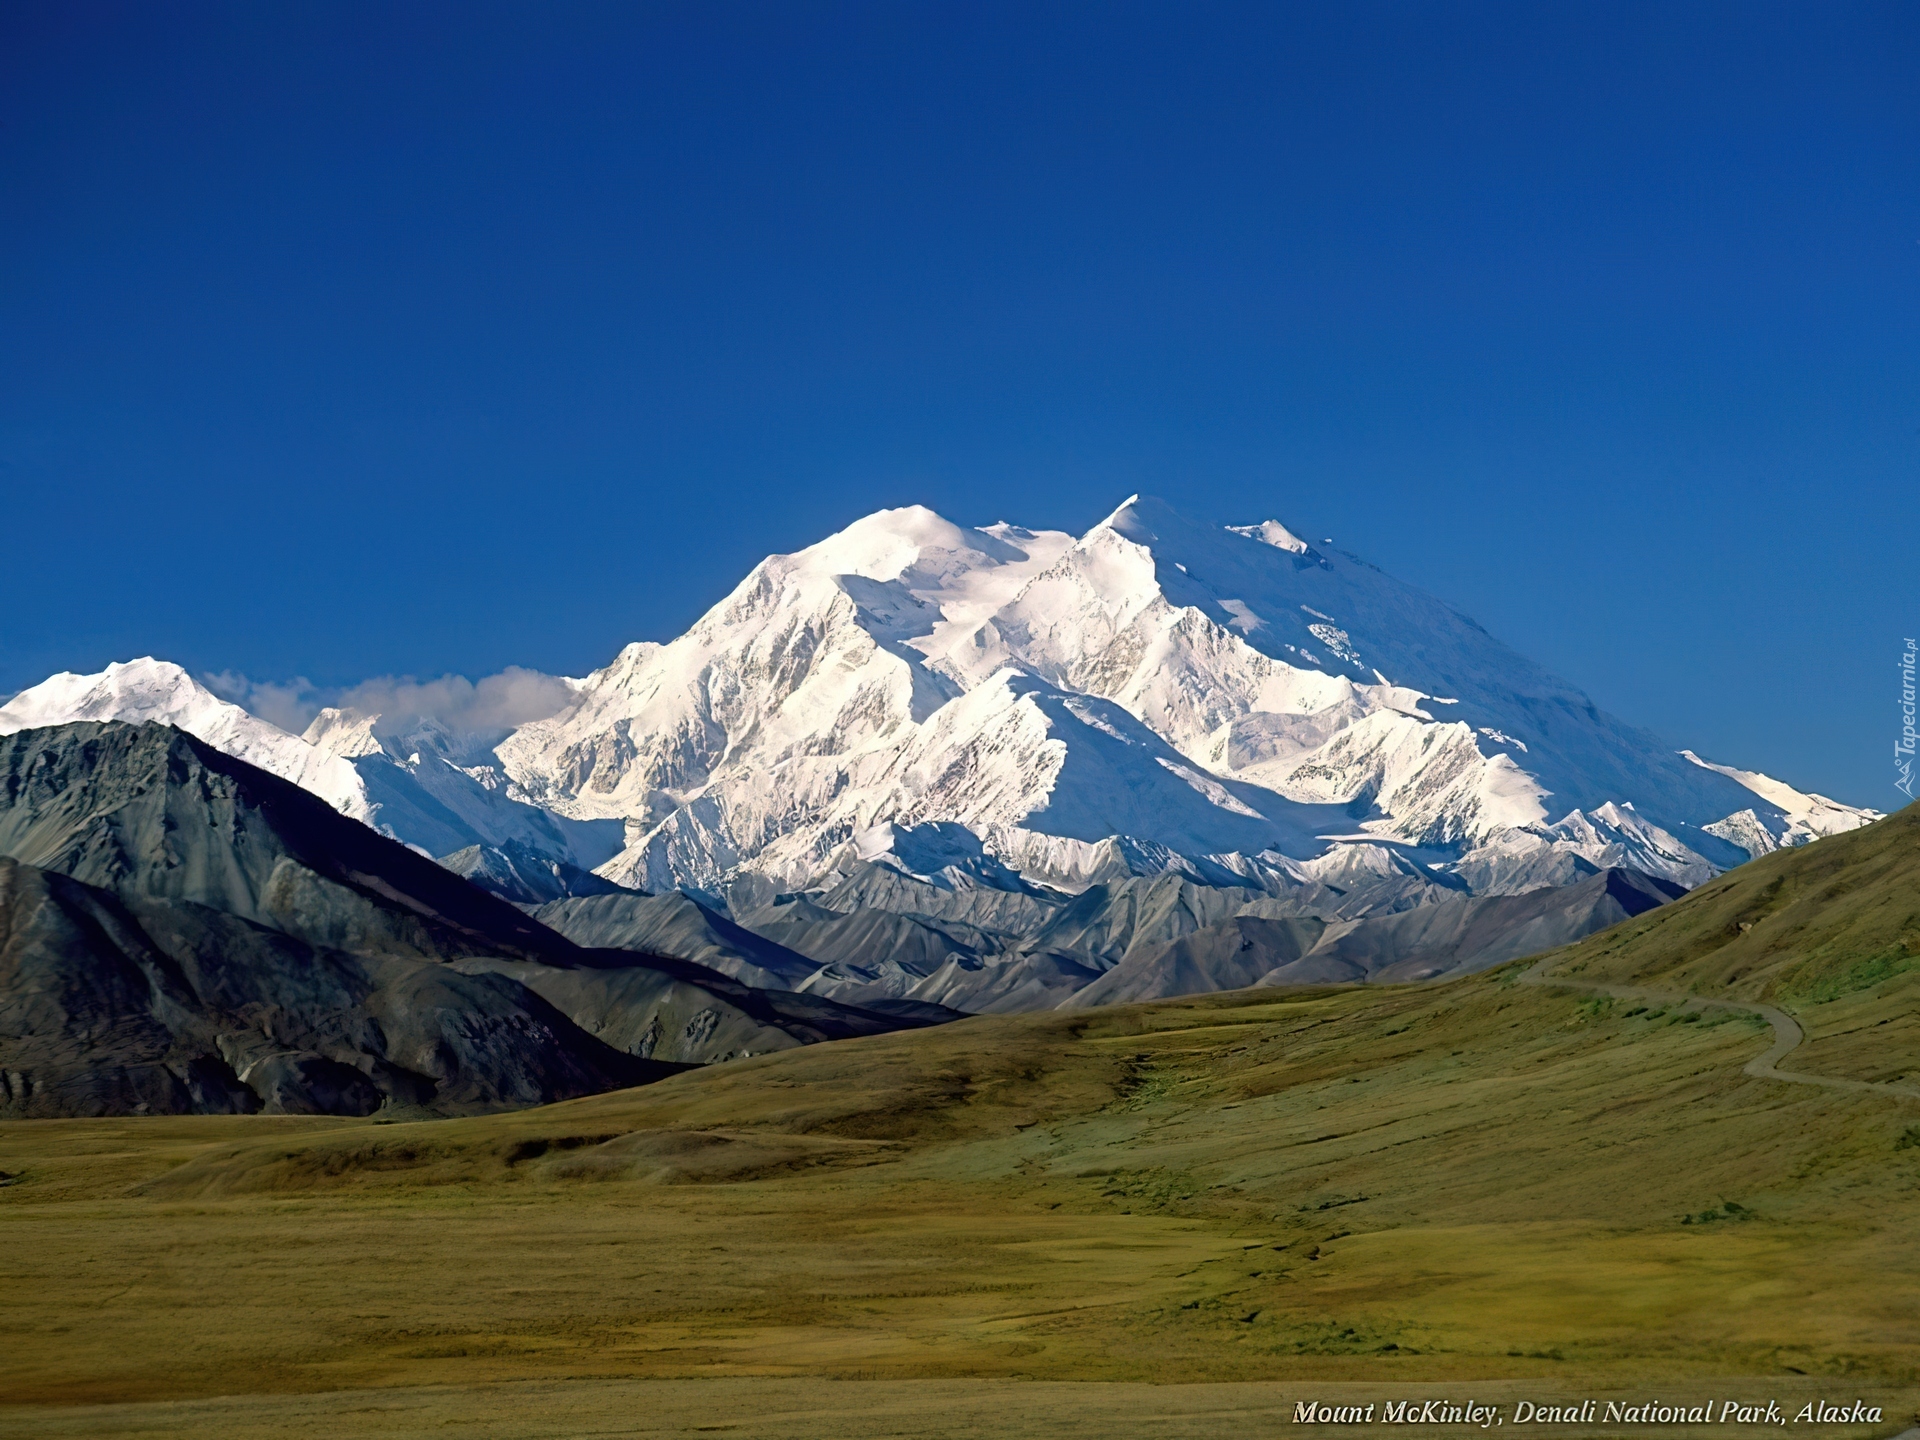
1156	1219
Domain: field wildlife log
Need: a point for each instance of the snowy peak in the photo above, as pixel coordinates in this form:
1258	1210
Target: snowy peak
1807	816
999	706
1156	682
1614	836
150	691
133	690
1118	616
345	733
936	571
1328	616
1617	835
953	576
425	801
1755	833
817	653
889	544
1272	532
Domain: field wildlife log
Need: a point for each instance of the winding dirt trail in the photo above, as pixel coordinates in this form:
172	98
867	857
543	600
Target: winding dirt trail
1787	1033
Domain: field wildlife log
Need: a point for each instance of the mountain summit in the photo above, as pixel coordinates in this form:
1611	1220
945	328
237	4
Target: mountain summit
1031	707
1208	690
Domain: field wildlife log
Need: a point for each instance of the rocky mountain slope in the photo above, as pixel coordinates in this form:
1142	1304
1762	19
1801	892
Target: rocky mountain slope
517	872
929	739
180	931
672	924
881	939
1451	937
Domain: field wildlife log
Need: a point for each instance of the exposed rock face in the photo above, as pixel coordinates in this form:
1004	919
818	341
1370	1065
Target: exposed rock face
153	814
1372	916
180	931
672	924
679	1011
116	1006
1449	937
1458	936
1228	956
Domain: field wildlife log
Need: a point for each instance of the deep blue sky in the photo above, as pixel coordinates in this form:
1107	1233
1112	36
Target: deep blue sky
342	340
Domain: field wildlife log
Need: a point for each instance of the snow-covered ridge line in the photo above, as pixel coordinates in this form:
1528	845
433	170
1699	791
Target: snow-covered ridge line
418	783
1806	816
1188	689
149	690
1154	696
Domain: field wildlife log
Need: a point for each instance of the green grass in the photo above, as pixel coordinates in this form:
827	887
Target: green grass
1821	985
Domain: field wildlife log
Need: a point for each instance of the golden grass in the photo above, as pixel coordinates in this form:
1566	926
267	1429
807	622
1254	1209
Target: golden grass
816	1409
1471	1184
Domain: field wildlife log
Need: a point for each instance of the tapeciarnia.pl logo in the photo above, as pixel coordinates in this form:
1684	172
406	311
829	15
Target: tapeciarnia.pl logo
1903	747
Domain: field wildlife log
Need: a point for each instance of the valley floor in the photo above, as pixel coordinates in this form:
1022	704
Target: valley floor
1153	1219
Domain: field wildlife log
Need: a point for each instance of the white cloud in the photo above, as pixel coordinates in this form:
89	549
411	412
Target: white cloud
290	704
513	697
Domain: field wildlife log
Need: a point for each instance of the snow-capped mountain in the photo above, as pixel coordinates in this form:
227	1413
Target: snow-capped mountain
415	781
441	792
139	691
1000	706
1206	691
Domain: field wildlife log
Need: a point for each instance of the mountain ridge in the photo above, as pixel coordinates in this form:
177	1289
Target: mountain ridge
793	717
182	931
1156	695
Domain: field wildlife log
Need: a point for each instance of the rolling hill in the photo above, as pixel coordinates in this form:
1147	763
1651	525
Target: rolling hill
1510	1190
